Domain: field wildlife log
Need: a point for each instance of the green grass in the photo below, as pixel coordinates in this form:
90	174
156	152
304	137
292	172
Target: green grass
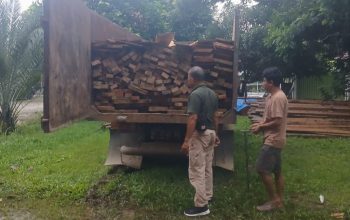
61	176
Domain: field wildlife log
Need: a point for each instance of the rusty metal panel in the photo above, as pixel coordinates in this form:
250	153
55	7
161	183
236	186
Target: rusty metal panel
67	29
103	29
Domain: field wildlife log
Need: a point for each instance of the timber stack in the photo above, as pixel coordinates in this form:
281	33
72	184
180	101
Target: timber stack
312	117
146	77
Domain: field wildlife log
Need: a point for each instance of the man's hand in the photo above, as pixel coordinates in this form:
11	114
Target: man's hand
217	141
256	128
185	147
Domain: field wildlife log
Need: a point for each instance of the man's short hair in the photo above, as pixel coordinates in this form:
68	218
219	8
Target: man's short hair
197	73
273	74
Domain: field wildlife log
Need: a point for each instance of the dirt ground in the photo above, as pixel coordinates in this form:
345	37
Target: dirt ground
32	109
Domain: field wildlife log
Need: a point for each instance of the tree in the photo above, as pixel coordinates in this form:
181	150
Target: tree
301	37
20	58
146	18
191	19
254	55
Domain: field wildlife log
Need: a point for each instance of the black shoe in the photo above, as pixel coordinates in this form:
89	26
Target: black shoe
211	200
197	211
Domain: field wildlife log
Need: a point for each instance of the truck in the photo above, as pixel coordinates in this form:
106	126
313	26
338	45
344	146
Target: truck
71	30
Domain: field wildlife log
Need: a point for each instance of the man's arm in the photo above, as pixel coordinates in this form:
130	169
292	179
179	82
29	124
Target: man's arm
216	121
216	125
190	128
272	123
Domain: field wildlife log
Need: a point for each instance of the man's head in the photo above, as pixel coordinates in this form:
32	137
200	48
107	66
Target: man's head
195	75
272	78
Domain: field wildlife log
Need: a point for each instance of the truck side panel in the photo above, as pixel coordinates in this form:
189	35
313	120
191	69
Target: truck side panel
67	80
103	29
70	28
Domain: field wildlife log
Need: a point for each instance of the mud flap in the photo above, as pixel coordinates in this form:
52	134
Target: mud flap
115	157
224	153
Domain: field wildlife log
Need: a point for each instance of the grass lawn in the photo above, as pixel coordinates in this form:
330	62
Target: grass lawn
62	176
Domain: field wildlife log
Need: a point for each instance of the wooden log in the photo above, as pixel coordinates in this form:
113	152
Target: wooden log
165	75
162	64
221	40
135	98
151	80
109	76
224	69
118	93
114	86
184	90
175	90
178	104
219	45
214	74
222	97
159	82
105	108
225	62
126	79
161	88
203	50
99	85
151	58
158	109
97	73
204	59
162	56
133	67
166	92
179	99
176	111
168	51
137	89
148	73
96	62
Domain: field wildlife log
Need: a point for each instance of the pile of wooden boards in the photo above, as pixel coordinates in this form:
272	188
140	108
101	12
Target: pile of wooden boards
132	77
312	117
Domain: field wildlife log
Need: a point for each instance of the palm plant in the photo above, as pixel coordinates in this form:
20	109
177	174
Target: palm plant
20	58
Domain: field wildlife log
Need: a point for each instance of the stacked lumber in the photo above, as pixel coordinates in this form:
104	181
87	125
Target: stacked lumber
216	58
132	77
312	117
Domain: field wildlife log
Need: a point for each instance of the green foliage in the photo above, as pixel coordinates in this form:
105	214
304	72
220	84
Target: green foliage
189	19
301	37
20	58
146	18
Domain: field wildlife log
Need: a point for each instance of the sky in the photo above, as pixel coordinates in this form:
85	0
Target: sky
25	4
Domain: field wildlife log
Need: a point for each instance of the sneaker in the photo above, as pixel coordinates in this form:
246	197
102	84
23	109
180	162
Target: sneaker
197	211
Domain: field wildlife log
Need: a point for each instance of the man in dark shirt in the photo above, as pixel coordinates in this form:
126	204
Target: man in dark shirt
200	140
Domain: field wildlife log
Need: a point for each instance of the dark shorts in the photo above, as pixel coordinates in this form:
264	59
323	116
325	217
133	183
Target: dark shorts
269	160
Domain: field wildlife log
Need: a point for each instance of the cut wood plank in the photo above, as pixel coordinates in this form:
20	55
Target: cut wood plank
96	62
224	69
225	62
105	108
223	46
158	109
137	89
165	75
203	50
179	100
